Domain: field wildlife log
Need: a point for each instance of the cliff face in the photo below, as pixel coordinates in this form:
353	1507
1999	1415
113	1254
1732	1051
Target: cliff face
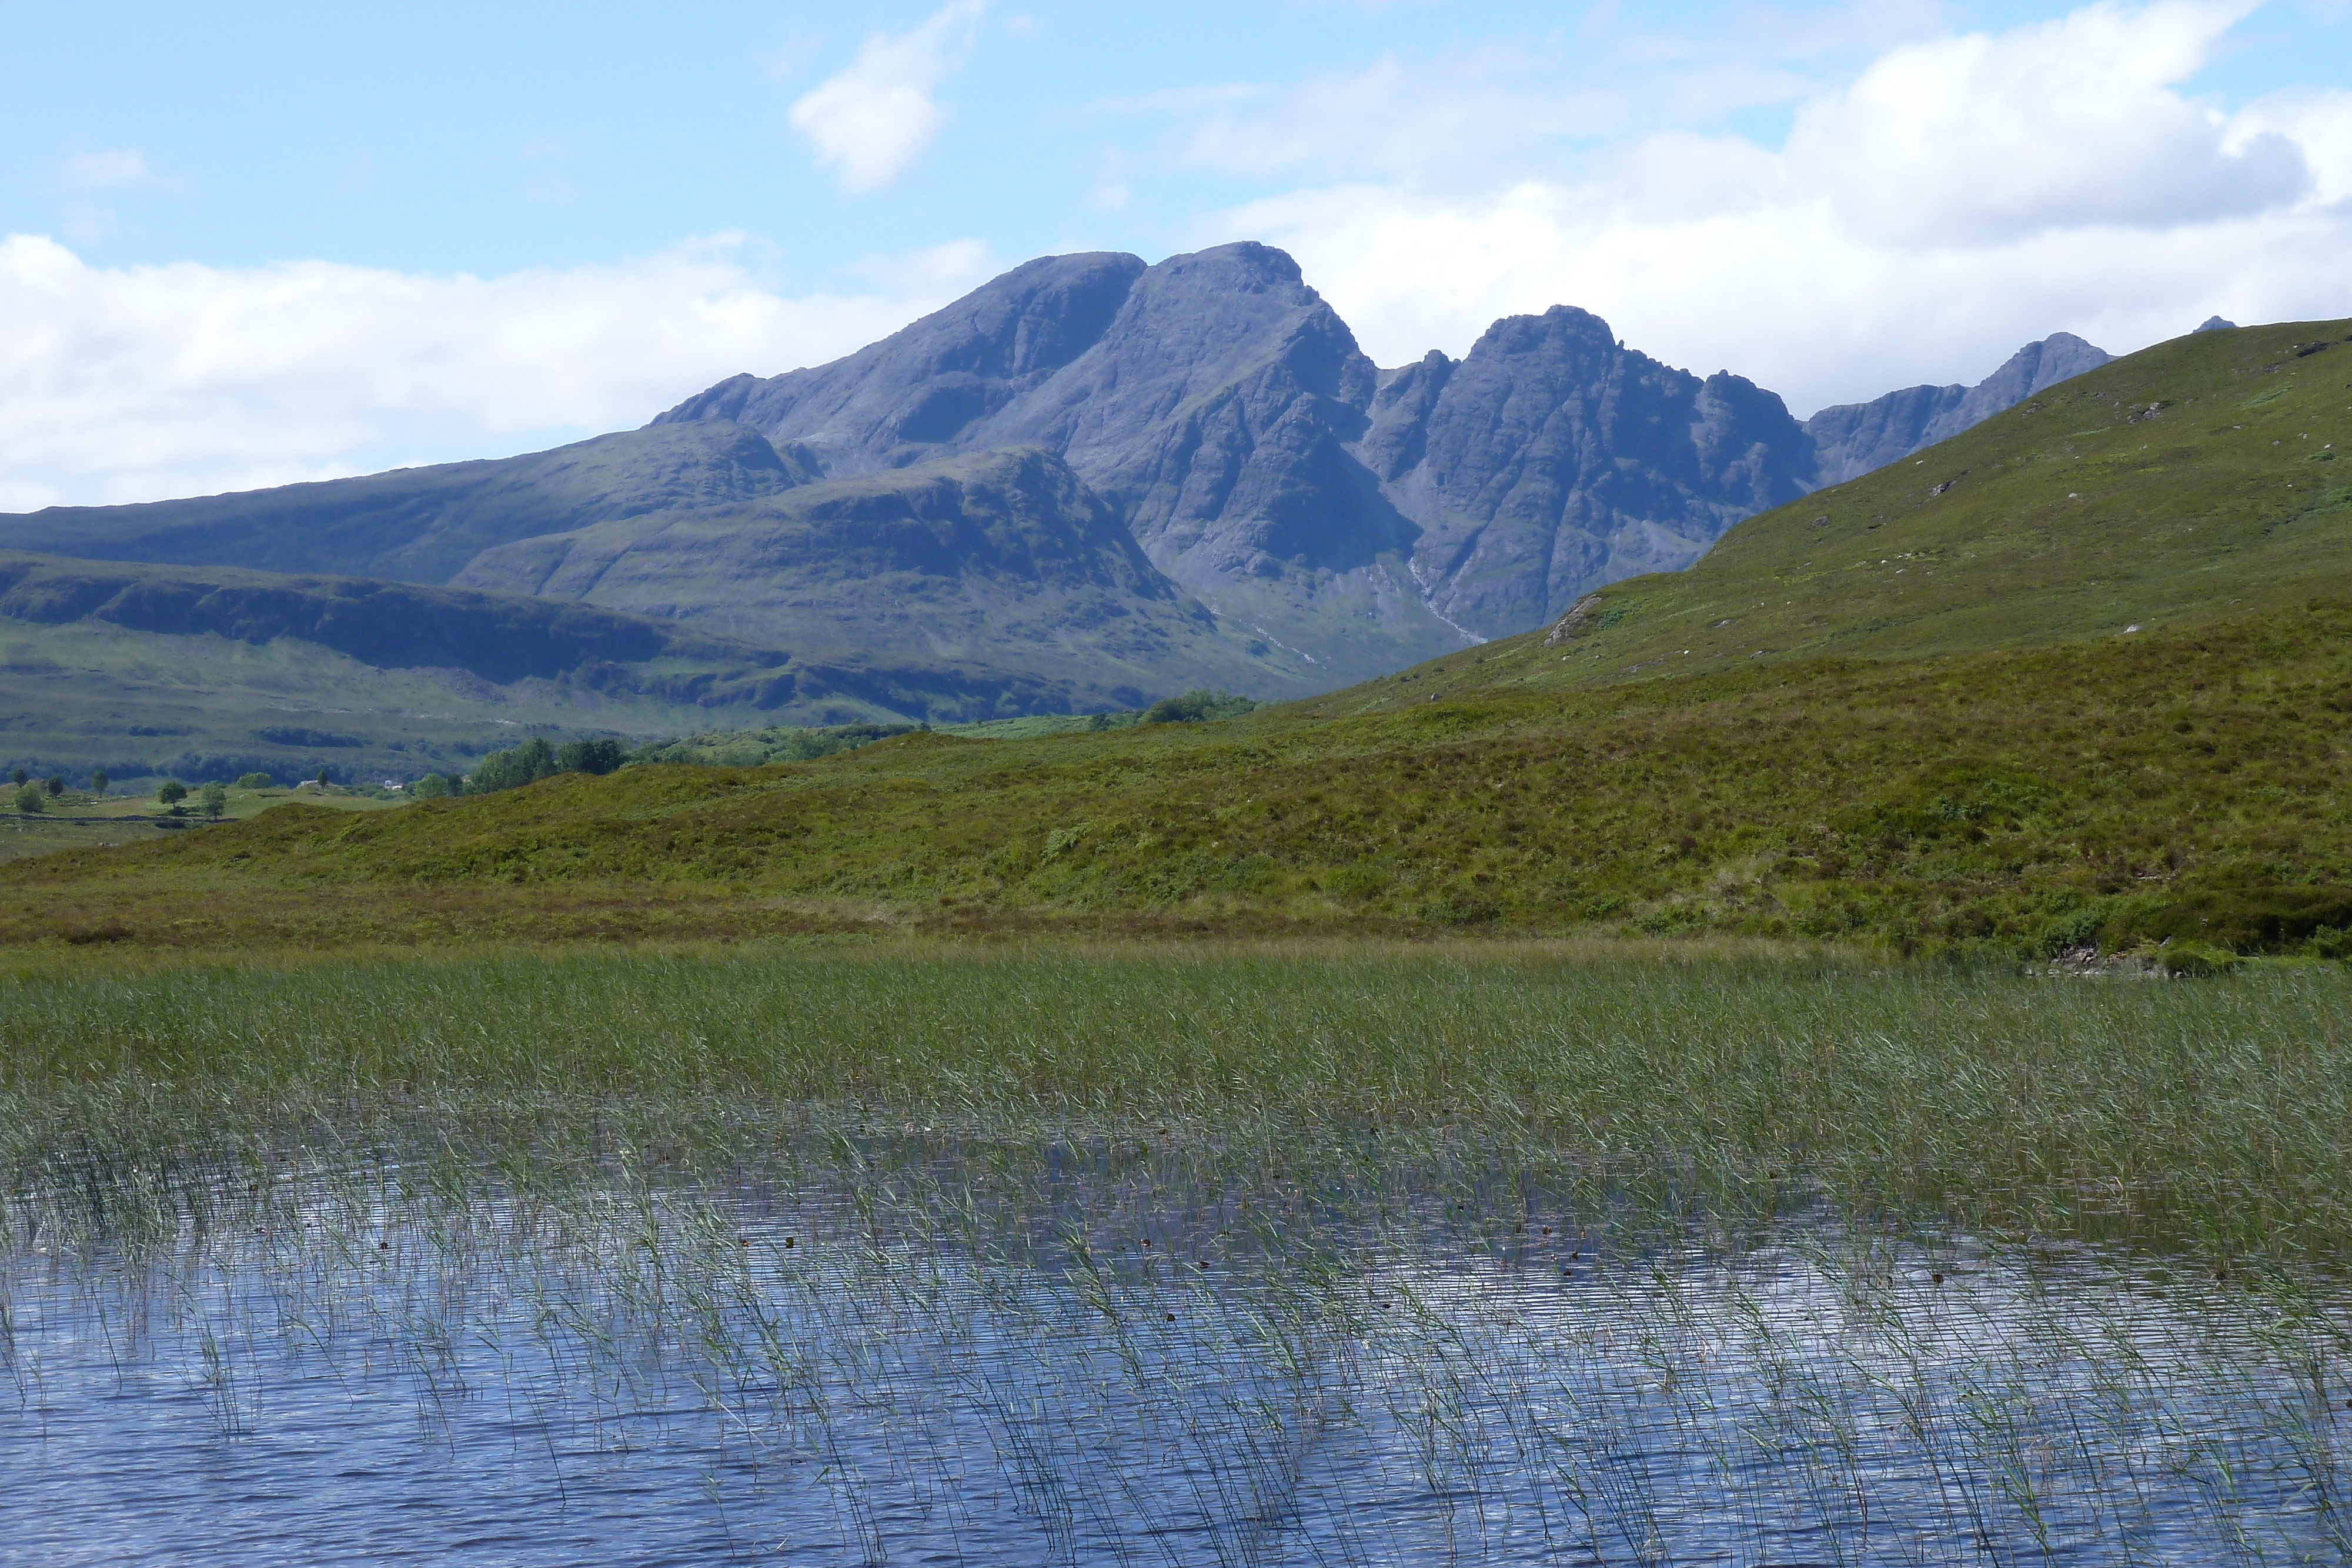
1356	520
1552	459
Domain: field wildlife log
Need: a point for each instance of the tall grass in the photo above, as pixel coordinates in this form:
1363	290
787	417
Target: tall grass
2211	1113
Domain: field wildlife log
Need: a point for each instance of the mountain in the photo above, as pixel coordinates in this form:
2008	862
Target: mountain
2202	478
1354	516
1002	556
1851	439
1552	458
1360	517
2078	675
1088	483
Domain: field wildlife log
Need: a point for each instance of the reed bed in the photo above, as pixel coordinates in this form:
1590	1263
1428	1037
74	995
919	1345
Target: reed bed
2215	1115
1225	1255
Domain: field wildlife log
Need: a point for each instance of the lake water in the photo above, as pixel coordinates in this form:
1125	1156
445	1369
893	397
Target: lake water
338	1369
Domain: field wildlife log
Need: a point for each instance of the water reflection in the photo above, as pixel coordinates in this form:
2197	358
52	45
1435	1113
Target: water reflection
355	1365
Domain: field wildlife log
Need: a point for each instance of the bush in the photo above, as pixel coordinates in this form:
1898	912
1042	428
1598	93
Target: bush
1197	705
2198	960
432	787
256	782
2244	913
29	798
2069	931
2330	942
214	799
602	756
172	792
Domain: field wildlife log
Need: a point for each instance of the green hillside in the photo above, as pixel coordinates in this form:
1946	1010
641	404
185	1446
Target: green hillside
1985	763
210	673
2206	477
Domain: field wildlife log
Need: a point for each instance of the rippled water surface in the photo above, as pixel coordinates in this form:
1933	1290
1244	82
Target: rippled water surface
343	1369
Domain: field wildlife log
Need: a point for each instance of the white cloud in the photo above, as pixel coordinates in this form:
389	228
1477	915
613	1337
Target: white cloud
1955	198
137	384
871	120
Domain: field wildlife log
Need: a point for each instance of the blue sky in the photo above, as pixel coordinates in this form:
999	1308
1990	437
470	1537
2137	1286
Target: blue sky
256	243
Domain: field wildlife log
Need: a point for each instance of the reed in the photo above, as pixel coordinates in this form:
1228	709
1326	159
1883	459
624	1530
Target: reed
2209	1114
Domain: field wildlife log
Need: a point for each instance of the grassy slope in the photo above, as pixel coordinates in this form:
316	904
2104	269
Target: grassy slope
2186	781
2075	515
1976	801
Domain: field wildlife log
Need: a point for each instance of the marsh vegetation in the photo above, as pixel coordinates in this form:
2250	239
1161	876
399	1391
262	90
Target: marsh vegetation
1222	1255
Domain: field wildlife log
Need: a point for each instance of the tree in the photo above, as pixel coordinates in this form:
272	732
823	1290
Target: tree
590	756
256	782
99	780
172	792
214	799
18	778
28	799
532	760
432	787
322	779
55	785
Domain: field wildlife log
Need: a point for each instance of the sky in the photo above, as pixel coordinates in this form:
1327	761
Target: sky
245	245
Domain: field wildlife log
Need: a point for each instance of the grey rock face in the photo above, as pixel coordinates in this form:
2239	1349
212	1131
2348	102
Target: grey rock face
2216	324
1357	519
1553	460
1211	399
1851	439
908	397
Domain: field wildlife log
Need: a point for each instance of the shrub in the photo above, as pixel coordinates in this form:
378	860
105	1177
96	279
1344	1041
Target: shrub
432	787
2069	931
256	782
600	756
2197	960
1197	705
2245	914
29	798
2330	942
171	792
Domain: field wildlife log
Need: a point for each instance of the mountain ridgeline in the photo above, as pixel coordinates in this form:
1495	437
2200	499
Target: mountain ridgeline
1358	518
1088	483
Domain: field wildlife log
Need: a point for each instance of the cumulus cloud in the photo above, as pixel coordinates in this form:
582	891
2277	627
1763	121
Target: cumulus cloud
1955	197
137	384
872	120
